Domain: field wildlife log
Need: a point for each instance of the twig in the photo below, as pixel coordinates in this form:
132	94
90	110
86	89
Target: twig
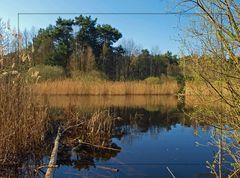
235	173
108	168
170	172
70	127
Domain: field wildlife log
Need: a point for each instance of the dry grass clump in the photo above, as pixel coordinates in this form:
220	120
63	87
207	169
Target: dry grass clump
99	128
94	128
89	137
71	87
90	127
22	123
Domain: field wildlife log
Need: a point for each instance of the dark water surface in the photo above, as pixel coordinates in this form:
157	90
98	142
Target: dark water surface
154	137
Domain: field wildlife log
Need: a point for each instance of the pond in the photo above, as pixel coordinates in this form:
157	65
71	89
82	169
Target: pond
153	136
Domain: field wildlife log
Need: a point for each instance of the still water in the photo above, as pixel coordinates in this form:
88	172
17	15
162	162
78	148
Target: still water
154	137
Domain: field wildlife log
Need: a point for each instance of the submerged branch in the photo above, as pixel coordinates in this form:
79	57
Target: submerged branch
53	159
99	146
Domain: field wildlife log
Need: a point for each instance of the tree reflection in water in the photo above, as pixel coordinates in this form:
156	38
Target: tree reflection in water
128	122
81	150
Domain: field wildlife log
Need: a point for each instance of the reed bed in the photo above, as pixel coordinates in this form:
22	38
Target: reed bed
27	128
73	87
90	103
22	124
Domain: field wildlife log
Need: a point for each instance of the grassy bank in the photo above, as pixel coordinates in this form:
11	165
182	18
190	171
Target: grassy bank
75	87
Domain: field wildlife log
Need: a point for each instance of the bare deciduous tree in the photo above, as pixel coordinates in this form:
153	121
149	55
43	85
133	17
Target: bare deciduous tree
216	35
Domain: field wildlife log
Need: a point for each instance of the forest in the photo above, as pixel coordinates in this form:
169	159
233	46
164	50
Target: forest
81	44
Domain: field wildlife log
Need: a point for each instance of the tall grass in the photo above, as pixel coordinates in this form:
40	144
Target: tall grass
22	124
90	103
26	128
72	87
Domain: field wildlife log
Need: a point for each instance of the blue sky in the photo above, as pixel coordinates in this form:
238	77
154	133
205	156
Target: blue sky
146	30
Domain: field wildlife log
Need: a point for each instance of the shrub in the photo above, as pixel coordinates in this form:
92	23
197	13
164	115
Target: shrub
159	80
153	80
45	72
89	76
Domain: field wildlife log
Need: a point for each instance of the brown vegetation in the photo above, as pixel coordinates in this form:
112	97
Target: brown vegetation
22	124
88	103
71	87
27	129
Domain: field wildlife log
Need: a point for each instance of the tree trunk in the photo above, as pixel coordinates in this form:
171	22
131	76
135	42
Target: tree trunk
53	159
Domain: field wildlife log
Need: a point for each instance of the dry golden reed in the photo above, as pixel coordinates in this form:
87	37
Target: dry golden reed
95	102
73	87
22	122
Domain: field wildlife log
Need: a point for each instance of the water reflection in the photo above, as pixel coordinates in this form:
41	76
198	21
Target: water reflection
149	139
147	135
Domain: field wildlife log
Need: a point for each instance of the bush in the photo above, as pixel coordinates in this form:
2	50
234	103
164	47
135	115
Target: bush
45	72
153	80
88	76
159	80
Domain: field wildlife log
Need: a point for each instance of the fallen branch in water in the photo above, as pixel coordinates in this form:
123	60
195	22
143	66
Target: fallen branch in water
53	159
107	168
70	127
170	172
39	169
98	146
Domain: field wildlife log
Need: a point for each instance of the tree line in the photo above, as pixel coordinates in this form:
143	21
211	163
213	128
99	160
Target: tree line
83	44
